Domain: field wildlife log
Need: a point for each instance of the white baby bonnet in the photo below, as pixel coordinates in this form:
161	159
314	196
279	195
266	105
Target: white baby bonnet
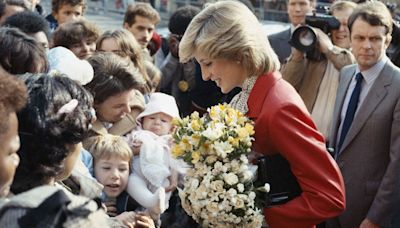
159	102
65	61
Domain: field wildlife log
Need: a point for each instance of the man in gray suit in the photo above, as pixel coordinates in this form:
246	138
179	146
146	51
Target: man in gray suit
366	123
297	10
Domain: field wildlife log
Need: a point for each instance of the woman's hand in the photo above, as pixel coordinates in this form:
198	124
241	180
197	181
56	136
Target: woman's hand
143	220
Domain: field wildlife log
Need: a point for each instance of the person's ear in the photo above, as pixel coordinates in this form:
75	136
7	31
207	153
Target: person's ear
388	40
126	25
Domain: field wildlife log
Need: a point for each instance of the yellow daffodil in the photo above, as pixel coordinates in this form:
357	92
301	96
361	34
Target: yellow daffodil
242	132
249	128
177	151
195	125
176	121
195	157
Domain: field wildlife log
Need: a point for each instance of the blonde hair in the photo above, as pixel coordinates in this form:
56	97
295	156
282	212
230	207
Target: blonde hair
107	146
342	5
128	47
229	30
154	74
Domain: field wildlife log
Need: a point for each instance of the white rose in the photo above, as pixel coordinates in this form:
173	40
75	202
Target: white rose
240	187
212	207
232	192
202	191
239	203
217	186
235	165
211	159
247	175
231	178
252	195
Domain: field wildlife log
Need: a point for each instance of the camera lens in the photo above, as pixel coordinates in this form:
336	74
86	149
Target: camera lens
303	38
306	38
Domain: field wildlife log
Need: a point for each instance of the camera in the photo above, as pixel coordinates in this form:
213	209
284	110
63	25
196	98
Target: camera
304	38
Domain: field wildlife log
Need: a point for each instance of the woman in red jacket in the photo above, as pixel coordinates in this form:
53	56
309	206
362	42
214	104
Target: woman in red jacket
228	42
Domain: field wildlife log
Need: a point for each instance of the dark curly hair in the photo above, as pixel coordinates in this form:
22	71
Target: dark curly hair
181	19
29	22
20	54
12	98
45	133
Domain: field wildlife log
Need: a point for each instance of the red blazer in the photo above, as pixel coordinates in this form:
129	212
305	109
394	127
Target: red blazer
283	125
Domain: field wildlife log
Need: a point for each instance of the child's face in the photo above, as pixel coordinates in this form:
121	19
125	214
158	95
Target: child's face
84	49
68	13
158	123
113	173
9	158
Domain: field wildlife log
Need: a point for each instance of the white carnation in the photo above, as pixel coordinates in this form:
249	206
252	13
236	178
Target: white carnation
231	178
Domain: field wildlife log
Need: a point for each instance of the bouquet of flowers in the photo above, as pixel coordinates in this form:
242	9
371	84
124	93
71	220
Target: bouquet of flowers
218	191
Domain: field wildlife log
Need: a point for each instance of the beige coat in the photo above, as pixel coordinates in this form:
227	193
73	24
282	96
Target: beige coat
306	76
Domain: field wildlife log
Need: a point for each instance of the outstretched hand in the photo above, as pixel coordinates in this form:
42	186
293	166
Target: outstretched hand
143	220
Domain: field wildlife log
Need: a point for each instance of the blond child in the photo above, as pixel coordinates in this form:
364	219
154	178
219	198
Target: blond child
112	156
154	170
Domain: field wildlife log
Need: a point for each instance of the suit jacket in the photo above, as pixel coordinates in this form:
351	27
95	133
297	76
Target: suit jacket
280	43
283	125
370	155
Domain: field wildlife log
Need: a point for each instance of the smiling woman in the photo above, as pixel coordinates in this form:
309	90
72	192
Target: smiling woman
115	87
225	39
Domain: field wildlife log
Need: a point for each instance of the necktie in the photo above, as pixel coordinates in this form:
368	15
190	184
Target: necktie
351	110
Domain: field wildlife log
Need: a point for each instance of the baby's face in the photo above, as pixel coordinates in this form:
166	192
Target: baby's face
158	123
113	173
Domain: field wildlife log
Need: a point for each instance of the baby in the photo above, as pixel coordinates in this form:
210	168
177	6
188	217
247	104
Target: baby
153	167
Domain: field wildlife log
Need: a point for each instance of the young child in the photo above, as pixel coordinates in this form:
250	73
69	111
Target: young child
153	167
79	36
64	11
112	157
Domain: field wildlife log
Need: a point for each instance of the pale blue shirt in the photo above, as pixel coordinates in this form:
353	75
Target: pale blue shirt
369	77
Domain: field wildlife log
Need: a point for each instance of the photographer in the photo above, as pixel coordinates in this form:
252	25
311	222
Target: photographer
317	80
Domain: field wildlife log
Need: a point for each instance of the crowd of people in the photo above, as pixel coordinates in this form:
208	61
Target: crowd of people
86	117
